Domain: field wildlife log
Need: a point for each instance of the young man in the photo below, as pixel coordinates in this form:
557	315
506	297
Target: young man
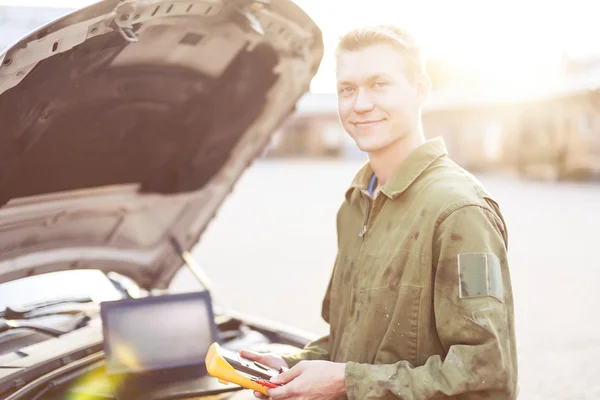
420	302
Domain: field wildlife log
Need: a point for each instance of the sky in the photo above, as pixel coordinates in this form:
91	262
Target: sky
515	37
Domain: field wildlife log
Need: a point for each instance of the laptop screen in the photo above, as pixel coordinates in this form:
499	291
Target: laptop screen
158	332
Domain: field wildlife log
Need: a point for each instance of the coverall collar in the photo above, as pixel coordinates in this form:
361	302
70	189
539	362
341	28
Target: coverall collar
414	165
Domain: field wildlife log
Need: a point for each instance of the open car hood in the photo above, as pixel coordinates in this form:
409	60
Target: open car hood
124	126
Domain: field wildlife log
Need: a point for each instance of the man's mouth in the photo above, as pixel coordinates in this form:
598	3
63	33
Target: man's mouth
366	122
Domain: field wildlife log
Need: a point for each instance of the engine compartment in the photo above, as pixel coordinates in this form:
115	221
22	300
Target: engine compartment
86	378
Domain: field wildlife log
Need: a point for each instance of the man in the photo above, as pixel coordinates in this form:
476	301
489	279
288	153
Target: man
420	302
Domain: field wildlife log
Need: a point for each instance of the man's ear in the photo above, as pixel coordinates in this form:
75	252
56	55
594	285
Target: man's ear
423	87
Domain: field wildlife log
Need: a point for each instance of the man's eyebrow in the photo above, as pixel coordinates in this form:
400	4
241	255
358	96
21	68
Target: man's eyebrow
378	76
371	78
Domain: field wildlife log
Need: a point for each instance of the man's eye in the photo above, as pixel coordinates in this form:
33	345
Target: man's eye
346	90
379	84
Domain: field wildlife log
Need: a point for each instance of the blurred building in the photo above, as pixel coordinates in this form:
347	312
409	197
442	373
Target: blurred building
547	128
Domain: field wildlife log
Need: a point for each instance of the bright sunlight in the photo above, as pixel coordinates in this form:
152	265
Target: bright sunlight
519	43
510	44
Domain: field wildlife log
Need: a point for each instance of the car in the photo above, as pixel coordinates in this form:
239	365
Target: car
124	126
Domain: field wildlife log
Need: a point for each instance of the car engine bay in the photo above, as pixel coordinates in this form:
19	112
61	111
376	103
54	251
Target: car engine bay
79	370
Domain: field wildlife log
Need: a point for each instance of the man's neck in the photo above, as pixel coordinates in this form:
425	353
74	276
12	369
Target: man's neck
388	160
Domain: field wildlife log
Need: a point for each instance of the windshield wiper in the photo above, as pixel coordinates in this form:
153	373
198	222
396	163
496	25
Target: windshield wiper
12	312
7	325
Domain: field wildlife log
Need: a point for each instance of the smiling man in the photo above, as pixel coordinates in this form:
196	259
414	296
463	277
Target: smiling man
420	301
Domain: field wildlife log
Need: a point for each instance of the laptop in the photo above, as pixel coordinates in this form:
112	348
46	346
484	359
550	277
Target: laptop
156	346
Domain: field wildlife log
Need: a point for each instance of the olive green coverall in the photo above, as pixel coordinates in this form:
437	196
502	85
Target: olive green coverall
420	303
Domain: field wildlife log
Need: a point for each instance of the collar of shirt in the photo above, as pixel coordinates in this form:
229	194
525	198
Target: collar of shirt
414	165
372	184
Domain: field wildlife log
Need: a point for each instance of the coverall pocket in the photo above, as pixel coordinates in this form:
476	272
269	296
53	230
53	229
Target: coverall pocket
390	318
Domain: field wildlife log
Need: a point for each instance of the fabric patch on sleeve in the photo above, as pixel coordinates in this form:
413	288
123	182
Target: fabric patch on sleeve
479	275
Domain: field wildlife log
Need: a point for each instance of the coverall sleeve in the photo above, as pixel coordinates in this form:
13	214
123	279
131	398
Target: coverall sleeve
315	350
474	316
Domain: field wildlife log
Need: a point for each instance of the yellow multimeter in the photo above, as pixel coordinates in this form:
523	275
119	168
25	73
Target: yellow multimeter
229	367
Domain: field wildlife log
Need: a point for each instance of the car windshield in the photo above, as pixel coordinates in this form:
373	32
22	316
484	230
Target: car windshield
57	286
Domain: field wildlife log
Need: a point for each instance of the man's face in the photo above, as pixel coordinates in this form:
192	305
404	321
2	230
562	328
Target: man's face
377	104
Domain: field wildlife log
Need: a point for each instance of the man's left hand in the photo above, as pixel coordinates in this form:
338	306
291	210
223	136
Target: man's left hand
310	380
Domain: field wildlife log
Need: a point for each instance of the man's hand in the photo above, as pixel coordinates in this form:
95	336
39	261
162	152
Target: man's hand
268	359
311	380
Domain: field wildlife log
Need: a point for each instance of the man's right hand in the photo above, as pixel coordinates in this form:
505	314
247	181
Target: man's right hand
268	359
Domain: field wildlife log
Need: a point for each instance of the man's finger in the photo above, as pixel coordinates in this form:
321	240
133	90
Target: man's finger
250	354
288	375
259	395
280	393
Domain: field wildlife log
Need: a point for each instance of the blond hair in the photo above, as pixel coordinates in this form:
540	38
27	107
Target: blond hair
400	39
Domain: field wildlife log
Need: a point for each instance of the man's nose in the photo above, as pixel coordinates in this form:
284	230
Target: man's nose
363	102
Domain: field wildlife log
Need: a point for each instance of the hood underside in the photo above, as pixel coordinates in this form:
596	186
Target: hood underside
124	125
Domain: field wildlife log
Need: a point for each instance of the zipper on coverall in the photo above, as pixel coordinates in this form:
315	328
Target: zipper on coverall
367	214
